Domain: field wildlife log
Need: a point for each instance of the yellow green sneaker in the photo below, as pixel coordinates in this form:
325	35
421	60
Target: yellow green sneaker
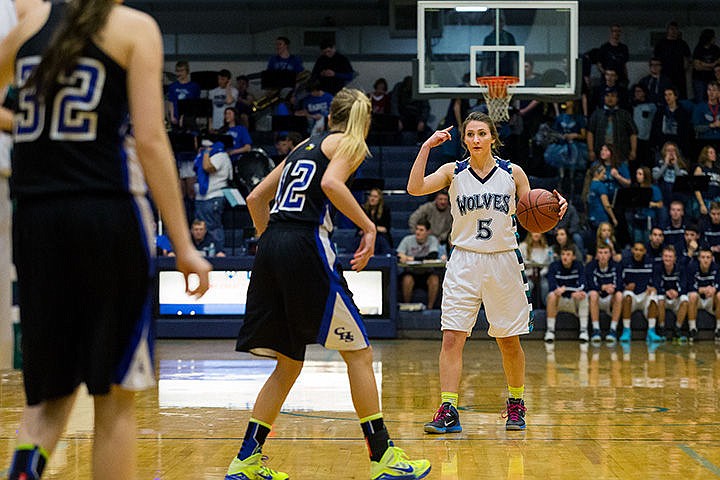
394	465
253	468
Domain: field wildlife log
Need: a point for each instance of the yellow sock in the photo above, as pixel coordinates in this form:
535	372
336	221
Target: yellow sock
516	392
450	397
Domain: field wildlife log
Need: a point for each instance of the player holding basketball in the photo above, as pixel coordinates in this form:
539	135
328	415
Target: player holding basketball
485	266
81	200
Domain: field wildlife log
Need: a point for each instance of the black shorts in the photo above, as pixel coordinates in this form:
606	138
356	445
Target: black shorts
297	296
84	266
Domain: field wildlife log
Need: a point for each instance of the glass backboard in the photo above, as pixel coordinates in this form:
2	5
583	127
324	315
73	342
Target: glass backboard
463	40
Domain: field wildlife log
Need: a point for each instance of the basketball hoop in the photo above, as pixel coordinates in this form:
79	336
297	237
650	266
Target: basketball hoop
498	95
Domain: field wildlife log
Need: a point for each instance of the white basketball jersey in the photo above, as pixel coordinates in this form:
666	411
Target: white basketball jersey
483	209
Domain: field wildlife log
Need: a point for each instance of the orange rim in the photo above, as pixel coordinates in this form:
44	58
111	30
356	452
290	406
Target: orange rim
497	85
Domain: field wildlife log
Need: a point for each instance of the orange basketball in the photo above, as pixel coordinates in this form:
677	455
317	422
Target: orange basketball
537	211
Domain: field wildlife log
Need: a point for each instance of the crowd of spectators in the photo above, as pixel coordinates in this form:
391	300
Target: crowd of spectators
636	157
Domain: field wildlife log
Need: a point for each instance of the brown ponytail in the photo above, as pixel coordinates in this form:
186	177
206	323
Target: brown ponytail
83	19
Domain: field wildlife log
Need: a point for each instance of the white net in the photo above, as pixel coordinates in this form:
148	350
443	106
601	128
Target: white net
498	107
497	96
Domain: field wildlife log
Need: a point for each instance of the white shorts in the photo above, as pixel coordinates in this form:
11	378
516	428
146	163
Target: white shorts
576	307
495	279
640	301
672	304
605	303
706	304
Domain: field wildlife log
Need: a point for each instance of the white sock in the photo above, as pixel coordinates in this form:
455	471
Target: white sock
613	324
651	322
551	323
692	324
626	323
596	325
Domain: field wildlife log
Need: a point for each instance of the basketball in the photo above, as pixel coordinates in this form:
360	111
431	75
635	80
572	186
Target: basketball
537	211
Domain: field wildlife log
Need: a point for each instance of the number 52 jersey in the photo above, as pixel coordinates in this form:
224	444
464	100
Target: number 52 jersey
483	209
72	141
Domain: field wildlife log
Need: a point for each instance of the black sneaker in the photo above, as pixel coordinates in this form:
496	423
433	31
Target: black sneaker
692	335
515	414
446	420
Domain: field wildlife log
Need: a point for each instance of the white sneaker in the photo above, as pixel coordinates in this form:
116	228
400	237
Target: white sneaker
550	336
584	337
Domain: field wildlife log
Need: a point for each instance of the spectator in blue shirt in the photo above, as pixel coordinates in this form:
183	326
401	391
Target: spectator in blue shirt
283	59
638	291
316	107
241	137
602	283
702	287
566	283
669	279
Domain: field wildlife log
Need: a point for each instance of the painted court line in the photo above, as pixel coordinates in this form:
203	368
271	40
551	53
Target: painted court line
700	459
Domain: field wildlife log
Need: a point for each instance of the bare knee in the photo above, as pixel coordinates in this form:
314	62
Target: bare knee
357	357
510	346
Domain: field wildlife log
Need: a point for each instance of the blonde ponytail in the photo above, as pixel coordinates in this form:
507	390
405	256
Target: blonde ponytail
350	111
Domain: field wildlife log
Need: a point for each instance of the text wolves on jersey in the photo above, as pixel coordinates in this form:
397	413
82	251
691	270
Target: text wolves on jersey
497	201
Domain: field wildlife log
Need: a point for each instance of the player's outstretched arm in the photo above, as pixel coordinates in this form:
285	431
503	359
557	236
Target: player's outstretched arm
420	184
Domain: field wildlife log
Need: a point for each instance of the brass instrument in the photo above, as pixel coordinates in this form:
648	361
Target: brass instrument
273	97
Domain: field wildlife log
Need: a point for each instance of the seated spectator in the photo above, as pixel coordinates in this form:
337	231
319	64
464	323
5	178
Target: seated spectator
711	230
379	213
420	246
602	276
671	286
605	235
316	107
706	166
671	166
244	105
702	287
284	145
674	229
380	97
642	219
690	245
566	282
638	291
436	213
571	151
202	241
241	137
672	123
332	69
537	256
214	171
563	238
655	244
571	223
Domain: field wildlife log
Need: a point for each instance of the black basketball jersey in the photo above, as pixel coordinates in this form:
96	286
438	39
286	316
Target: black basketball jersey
72	141
299	197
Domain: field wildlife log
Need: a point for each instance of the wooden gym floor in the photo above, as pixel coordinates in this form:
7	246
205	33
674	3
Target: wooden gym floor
593	412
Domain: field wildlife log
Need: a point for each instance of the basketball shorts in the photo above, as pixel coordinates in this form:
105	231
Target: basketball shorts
84	267
672	304
576	307
495	279
640	301
605	304
706	304
297	296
